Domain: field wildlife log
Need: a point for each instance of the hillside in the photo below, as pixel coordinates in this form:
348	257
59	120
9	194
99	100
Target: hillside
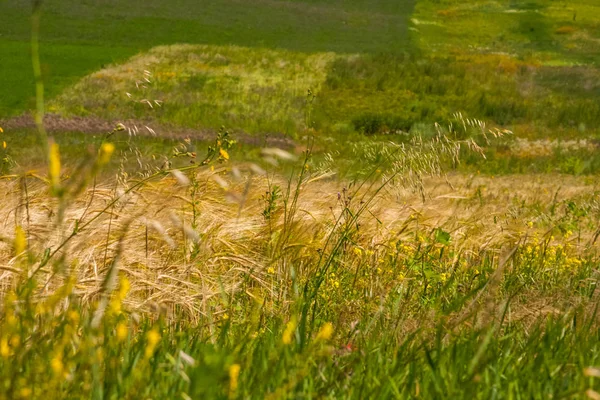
81	37
530	67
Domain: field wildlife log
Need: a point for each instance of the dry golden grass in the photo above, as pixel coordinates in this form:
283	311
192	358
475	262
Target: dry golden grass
172	265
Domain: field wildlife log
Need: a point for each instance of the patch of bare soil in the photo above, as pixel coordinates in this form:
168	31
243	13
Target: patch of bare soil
55	123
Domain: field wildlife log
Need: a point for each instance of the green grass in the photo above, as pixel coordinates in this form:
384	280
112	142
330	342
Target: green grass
378	94
529	68
256	90
63	64
350	159
522	28
264	91
78	38
297	25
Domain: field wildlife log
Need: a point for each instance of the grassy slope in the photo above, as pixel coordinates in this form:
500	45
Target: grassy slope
529	67
90	35
257	90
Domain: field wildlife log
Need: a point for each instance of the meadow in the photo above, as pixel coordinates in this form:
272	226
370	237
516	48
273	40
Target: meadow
201	281
300	199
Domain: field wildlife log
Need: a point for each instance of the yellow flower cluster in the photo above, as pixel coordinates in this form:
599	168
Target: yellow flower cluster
333	282
54	165
325	332
553	257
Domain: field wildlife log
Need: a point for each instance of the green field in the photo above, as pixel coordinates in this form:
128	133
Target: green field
531	67
79	38
301	199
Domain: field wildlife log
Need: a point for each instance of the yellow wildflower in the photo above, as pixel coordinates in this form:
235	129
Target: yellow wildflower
124	288
116	302
4	349
57	364
357	251
115	306
271	270
4	144
25	392
224	154
444	277
1	130
529	250
54	167
288	333
152	339
234	373
73	317
122	331
106	151
325	332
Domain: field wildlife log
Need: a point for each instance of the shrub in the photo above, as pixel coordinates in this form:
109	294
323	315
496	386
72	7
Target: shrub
371	124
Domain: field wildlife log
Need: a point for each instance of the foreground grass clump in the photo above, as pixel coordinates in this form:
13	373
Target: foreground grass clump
215	280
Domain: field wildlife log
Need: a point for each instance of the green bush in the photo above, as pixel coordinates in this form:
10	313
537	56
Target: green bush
370	124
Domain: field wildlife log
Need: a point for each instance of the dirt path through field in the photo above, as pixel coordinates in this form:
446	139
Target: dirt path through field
93	125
